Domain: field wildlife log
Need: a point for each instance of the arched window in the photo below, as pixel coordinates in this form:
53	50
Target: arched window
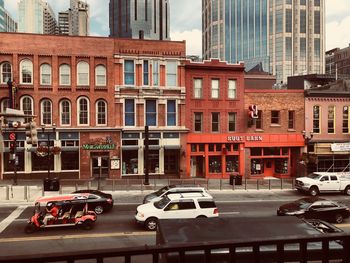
6	72
101	112
26	68
100	78
83	73
45	74
5	103
83	111
65	112
46	112
64	75
26	104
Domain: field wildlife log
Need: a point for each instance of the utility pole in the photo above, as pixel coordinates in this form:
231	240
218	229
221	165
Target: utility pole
146	143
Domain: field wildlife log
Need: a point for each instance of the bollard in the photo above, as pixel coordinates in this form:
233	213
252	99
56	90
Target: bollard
281	183
207	184
141	186
42	191
269	184
11	191
220	184
25	191
127	182
76	186
89	185
7	192
60	189
245	183
257	184
233	183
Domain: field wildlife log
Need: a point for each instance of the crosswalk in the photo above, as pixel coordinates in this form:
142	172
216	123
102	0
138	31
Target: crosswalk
14	215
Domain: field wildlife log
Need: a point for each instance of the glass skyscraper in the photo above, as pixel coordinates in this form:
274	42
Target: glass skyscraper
7	24
286	37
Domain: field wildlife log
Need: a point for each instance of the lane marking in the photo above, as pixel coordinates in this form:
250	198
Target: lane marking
8	220
117	234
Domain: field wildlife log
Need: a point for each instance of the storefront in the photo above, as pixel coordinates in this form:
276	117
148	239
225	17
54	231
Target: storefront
250	155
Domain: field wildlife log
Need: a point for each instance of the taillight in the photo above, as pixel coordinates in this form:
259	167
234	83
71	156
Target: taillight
109	200
216	211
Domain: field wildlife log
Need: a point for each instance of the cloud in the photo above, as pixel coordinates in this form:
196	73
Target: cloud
336	10
337	34
185	15
193	40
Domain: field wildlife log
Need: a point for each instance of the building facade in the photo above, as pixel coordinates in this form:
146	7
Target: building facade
7	23
338	62
139	19
36	16
74	21
286	37
99	98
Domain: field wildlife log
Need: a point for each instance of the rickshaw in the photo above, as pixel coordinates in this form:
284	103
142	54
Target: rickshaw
73	211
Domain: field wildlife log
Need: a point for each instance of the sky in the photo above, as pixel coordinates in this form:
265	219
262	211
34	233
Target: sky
186	21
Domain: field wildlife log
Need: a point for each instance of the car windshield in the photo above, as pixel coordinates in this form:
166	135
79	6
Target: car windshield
314	176
303	203
161	203
162	190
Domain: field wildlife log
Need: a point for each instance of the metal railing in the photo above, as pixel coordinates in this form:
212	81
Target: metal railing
296	249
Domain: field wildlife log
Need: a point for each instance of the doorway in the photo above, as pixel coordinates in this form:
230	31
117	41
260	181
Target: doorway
269	167
102	170
197	166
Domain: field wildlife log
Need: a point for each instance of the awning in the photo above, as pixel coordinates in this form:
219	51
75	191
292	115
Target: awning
130	147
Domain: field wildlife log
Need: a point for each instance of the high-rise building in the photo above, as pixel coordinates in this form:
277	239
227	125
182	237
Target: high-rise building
7	23
74	21
285	36
36	16
139	19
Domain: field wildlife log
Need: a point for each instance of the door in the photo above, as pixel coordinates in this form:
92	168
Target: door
324	184
334	183
269	167
193	166
103	169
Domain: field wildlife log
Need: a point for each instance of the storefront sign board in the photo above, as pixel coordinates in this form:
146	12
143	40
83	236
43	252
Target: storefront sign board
98	146
340	147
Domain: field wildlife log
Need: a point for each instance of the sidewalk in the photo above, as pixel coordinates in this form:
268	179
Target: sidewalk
133	190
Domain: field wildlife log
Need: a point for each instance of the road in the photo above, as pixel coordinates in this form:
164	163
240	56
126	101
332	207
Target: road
118	229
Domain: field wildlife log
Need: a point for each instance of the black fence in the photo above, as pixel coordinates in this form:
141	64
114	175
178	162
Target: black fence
331	248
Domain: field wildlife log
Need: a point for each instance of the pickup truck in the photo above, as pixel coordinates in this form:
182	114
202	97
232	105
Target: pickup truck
319	182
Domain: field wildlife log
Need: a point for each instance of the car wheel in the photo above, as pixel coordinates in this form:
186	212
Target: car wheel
338	218
347	190
201	216
87	225
30	228
151	224
98	209
313	191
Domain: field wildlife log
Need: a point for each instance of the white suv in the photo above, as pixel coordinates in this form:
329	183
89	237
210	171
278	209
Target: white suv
176	206
171	189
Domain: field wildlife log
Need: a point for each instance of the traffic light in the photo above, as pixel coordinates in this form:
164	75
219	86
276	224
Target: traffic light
31	133
12	146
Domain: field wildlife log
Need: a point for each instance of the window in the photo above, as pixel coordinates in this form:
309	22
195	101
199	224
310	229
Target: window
129	112
275	117
331	117
171	73
317	2
26	67
155	70
215	118
232	121
83	73
100	75
65	112
171	113
145	73
45	74
83	111
214	164
291	119
302	2
317	22
151	113
6	72
46	112
302	21
129	72
232	92
101	112
214	88
198	88
5	103
64	75
27	107
258	121
198	121
346	119
289	21
316	119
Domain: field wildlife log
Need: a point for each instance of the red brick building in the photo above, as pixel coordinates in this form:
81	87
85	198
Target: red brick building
99	93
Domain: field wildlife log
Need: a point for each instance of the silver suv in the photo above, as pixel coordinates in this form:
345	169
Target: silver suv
173	189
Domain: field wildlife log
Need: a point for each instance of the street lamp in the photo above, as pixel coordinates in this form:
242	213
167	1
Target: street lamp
307	139
48	147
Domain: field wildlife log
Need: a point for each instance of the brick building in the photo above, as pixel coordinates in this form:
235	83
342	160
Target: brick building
99	93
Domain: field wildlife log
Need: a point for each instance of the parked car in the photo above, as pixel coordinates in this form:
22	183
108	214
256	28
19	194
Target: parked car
171	189
316	208
176	206
98	201
71	212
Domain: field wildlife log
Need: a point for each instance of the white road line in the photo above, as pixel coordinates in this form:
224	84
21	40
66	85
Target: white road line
229	213
8	220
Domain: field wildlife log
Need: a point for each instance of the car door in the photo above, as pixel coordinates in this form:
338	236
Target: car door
324	183
314	212
180	209
334	183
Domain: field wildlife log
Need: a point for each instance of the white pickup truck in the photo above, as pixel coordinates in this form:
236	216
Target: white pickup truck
319	182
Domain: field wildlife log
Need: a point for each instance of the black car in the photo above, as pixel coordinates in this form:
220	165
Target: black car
316	208
98	201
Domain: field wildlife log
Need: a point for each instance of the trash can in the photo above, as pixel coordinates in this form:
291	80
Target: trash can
51	184
237	178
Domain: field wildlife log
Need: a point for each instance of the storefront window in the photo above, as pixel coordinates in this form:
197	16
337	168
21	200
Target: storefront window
231	163
272	151
285	151
9	165
255	151
257	166
214	164
153	158
40	163
70	160
193	147
218	147
201	147
211	147
130	162
281	166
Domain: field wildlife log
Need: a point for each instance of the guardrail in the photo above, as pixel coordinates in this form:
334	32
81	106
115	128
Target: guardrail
253	251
